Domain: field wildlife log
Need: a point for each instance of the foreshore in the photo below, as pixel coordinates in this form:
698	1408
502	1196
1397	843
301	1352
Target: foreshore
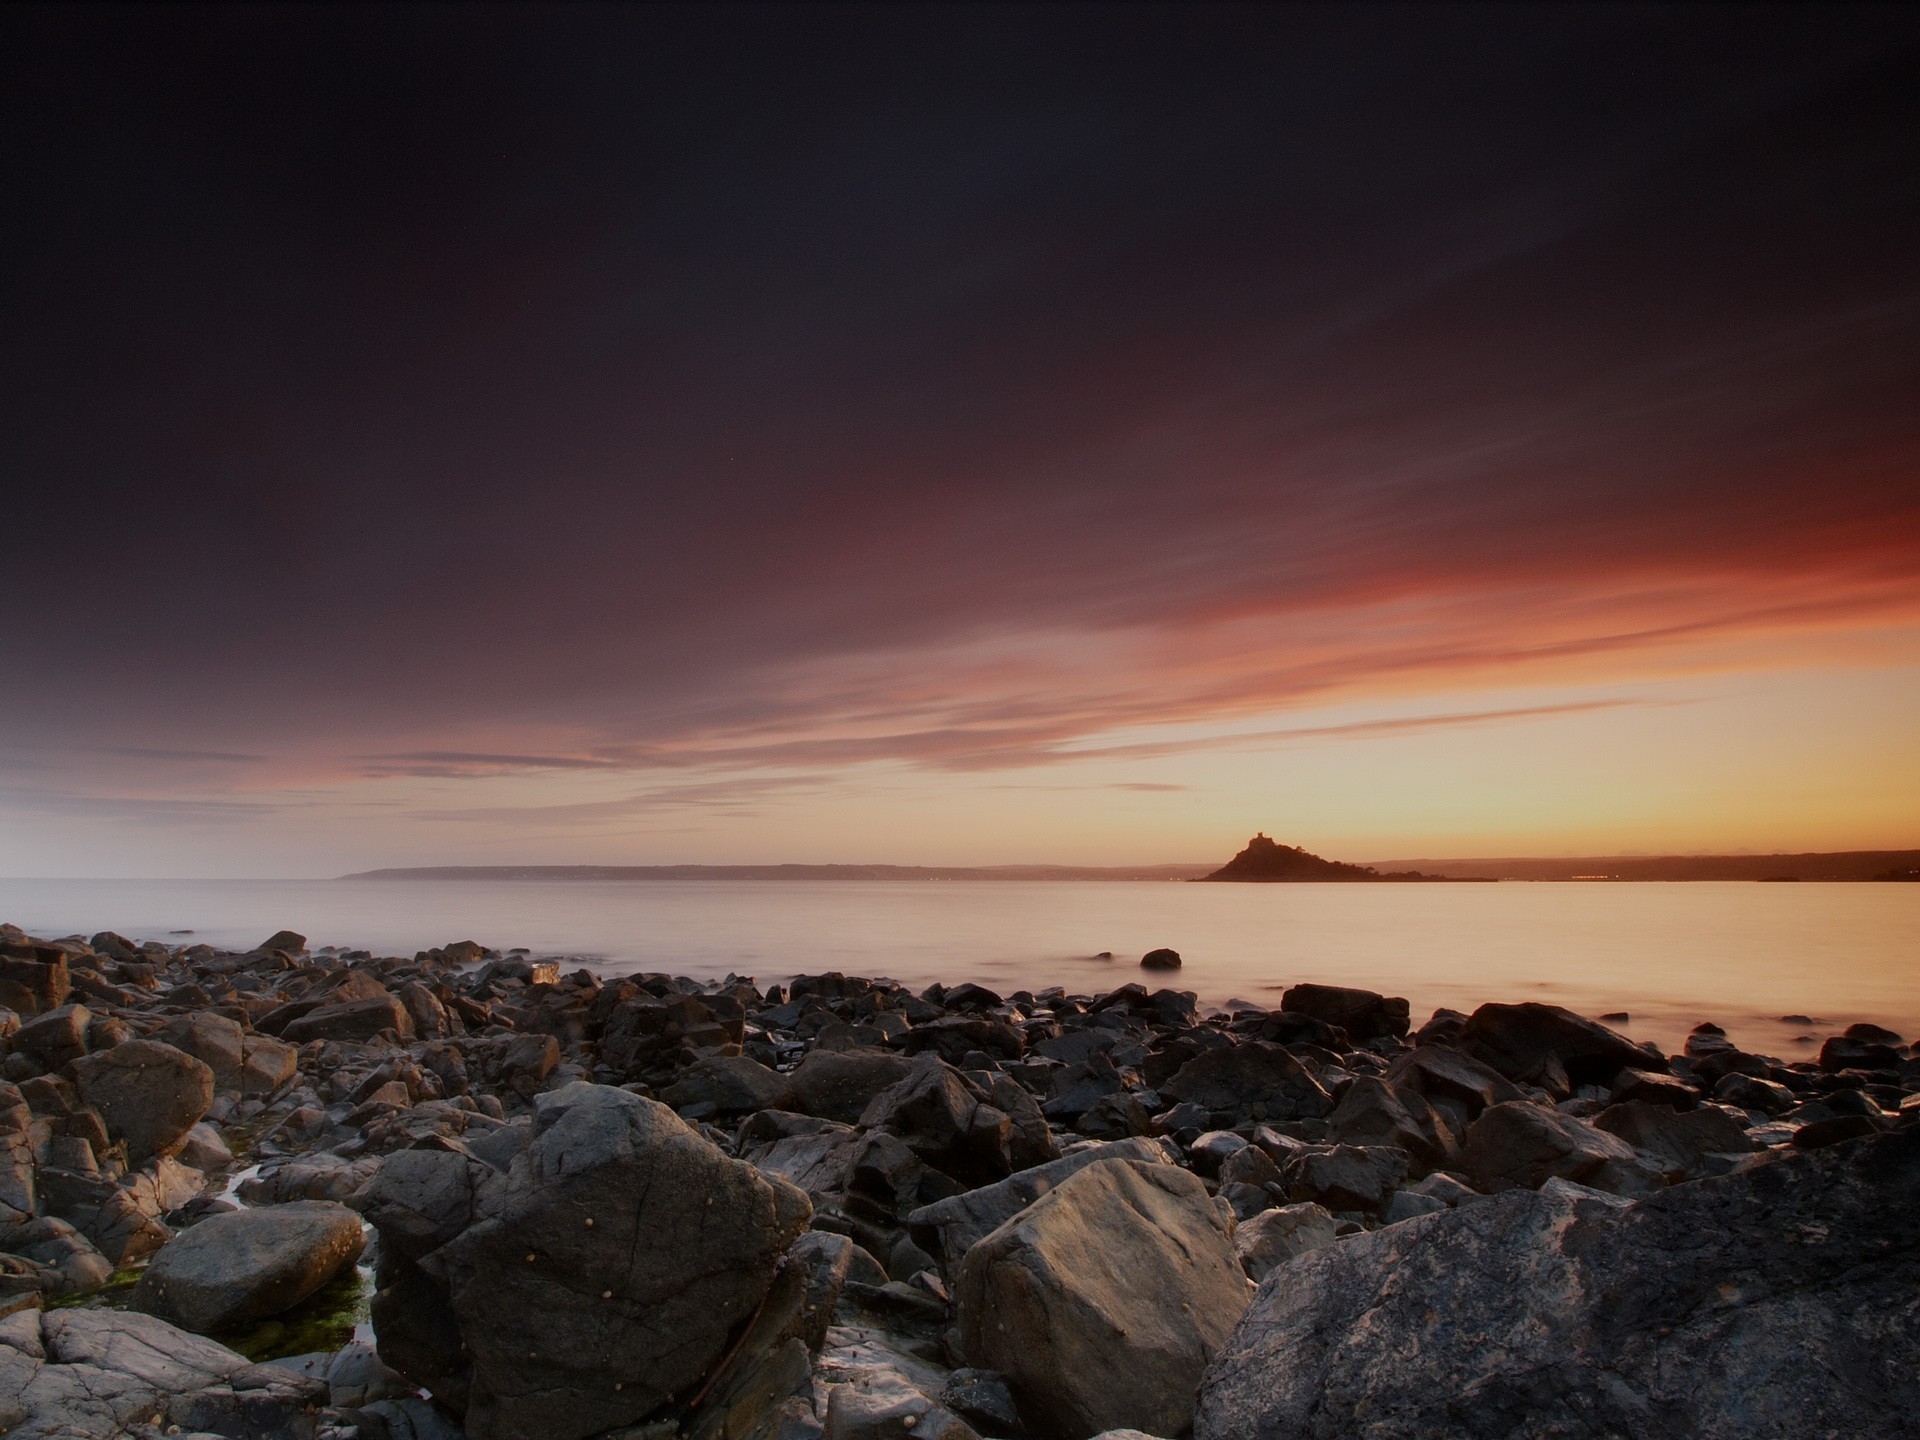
324	1194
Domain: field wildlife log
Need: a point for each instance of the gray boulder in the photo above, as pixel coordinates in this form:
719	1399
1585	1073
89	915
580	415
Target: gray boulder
840	1084
1776	1303
1552	1047
1104	1300
622	1257
358	1020
150	1094
246	1265
730	1085
55	1037
1682	1145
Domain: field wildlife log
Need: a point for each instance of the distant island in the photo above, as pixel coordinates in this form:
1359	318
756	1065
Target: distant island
786	872
1267	861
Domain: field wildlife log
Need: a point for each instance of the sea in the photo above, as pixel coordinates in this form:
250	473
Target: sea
1753	958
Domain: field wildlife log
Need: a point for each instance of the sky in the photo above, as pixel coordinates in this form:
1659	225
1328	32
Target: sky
955	435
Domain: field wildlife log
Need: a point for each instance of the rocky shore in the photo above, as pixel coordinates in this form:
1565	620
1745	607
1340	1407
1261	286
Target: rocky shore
294	1195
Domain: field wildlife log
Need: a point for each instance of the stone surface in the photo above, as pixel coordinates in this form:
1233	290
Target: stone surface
1273	1237
1772	1304
1552	1047
149	1093
1256	1079
1363	1014
963	1220
1104	1300
624	1252
839	1085
1515	1144
247	1265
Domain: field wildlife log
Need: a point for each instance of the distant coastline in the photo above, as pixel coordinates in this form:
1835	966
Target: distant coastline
1844	865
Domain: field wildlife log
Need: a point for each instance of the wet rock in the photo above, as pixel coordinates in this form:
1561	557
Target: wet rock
1772	1302
292	942
1161	959
1653	1088
1517	1144
1363	1014
1553	1048
1749	1092
248	1264
1104	1300
149	1094
624	1253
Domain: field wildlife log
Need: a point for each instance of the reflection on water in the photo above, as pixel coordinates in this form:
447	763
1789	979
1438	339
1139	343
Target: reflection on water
1670	955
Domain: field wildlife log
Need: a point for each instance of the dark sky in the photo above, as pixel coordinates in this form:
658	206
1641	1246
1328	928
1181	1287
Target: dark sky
431	382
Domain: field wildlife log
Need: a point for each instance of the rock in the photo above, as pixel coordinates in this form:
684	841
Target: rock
1104	1300
1161	959
359	1020
730	1085
1346	1177
981	1397
946	1122
963	1220
1554	1048
1273	1237
1442	1075
1774	1302
1256	1079
1372	1112
1655	1089
421	1199
839	1085
248	1264
1681	1145
1751	1093
35	981
98	1374
149	1093
1518	1144
204	1150
624	1252
55	1037
1409	1204
215	1040
17	1190
1363	1014
287	940
885	1405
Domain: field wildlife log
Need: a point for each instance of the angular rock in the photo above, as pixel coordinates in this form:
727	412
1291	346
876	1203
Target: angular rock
963	1220
1372	1112
946	1122
1678	1143
1517	1144
1775	1302
1655	1089
839	1085
55	1037
1255	1079
149	1093
731	1085
421	1199
624	1253
1363	1014
217	1041
1552	1047
248	1264
1346	1177
352	1020
1104	1300
1273	1237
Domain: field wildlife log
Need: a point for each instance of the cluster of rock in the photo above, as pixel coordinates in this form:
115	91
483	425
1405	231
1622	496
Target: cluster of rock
647	1207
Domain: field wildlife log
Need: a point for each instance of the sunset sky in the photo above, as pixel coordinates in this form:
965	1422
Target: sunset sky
955	436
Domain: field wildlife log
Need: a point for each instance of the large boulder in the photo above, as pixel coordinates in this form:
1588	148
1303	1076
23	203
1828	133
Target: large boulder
1681	1144
246	1265
1771	1304
215	1039
1104	1300
946	1121
150	1094
55	1037
1553	1048
1257	1080
33	978
610	1276
729	1085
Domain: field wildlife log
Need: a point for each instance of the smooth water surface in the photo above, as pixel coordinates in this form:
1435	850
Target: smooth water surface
1670	955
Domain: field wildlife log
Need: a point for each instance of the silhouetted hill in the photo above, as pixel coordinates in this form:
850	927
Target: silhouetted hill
1266	860
1831	865
785	872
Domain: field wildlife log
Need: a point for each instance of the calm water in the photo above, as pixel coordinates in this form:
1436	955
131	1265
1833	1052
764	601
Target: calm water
1671	955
